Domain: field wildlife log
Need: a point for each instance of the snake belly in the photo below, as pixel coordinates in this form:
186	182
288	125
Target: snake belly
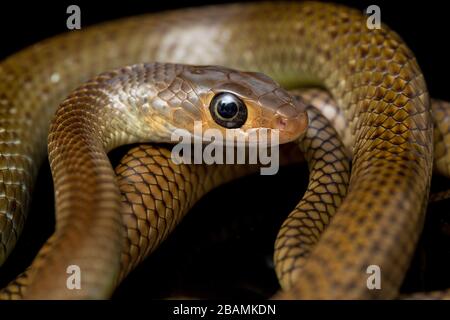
372	75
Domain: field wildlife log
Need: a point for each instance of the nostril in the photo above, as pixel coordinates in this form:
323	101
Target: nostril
281	123
290	128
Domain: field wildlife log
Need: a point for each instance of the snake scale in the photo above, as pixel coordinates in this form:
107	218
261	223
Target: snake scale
371	74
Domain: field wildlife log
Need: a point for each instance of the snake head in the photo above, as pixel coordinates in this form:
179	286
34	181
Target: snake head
243	102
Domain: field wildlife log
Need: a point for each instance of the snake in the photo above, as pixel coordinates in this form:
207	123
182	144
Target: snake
371	74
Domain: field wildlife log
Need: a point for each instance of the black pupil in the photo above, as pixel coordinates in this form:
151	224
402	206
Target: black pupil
227	108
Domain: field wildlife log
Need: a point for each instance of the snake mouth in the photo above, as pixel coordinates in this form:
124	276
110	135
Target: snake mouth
291	128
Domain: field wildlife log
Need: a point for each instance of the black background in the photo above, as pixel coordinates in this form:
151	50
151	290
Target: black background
224	246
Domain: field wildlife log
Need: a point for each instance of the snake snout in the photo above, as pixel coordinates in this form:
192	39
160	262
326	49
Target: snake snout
291	123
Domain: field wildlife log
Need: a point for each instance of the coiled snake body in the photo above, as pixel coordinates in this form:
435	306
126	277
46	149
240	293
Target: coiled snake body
372	75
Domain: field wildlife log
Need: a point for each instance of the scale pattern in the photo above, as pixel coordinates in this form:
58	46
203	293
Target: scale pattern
372	75
156	194
329	173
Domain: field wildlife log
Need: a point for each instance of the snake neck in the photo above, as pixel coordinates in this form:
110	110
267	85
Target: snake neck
96	118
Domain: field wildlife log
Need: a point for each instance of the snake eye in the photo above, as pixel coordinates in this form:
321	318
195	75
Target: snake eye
228	110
